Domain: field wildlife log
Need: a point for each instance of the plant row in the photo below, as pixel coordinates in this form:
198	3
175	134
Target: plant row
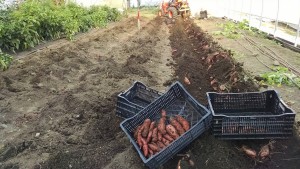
34	21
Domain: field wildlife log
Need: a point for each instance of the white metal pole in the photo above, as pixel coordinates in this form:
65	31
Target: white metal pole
125	6
276	23
235	10
228	8
250	12
262	11
231	9
241	13
297	36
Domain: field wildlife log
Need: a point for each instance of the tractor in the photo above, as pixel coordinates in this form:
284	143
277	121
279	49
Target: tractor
174	8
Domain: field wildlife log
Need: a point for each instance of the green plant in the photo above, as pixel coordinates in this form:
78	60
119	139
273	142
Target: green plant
38	20
229	30
233	30
5	60
244	25
281	75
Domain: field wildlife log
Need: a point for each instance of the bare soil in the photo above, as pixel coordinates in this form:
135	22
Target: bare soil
254	60
58	104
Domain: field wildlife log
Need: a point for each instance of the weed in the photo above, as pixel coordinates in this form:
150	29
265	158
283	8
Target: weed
232	30
281	75
5	60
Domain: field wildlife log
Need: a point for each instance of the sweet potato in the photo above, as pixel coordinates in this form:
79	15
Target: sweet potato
146	126
165	141
154	135
152	125
179	164
159	135
249	152
143	141
162	125
149	136
168	137
136	132
177	126
184	123
264	152
187	81
145	150
154	147
172	131
163	113
160	145
139	137
150	152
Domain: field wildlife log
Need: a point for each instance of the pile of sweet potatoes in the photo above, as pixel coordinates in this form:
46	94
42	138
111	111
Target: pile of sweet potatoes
153	136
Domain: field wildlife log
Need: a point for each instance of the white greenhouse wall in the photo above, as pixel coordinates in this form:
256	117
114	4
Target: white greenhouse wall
289	10
260	14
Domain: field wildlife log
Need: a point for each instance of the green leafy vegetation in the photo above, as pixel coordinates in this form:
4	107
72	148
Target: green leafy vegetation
34	21
5	60
281	75
232	30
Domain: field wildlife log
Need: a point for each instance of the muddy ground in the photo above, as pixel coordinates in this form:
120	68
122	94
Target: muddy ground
58	103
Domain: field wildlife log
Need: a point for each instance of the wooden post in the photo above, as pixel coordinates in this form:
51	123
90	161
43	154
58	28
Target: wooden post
138	17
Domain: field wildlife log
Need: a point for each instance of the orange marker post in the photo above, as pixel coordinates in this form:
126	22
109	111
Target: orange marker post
138	17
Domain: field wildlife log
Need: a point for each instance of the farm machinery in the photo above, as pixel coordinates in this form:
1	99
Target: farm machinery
174	8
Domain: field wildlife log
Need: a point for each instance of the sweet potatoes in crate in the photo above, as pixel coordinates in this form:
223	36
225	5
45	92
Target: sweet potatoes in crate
153	136
185	124
177	125
146	126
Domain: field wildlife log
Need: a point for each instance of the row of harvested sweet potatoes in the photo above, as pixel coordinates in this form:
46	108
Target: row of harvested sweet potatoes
153	136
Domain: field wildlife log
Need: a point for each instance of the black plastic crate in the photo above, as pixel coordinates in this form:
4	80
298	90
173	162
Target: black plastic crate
138	96
257	115
175	101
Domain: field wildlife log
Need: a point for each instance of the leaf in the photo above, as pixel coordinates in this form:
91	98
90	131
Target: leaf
37	20
5	60
279	76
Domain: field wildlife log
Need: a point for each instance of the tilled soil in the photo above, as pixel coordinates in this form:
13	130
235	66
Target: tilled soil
58	104
204	62
209	67
67	94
